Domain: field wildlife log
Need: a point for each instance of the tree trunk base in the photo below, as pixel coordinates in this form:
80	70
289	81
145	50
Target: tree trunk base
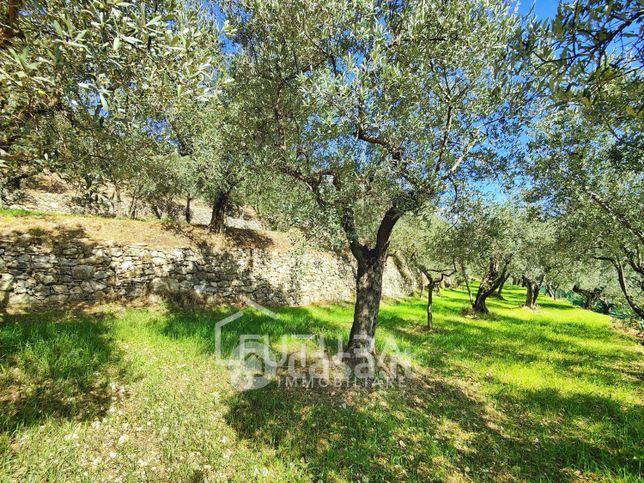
365	316
480	309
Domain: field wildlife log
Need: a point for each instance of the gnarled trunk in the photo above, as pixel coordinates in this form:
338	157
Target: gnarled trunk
371	265
532	292
479	304
552	290
218	217
367	307
489	284
500	289
605	306
590	296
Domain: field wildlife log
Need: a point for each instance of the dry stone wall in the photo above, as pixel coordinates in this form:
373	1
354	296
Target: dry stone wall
38	271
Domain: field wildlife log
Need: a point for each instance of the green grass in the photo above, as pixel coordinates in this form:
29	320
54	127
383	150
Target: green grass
22	213
18	212
552	394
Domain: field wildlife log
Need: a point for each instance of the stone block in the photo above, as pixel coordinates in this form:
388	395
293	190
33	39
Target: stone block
127	265
20	298
59	289
6	280
83	272
41	291
21	286
57	299
102	274
46	279
91	286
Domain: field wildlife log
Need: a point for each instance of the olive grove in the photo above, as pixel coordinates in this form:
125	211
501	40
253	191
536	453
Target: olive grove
372	127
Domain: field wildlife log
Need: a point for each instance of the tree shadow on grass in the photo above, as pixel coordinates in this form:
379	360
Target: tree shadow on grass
585	431
344	433
432	431
509	341
516	342
436	429
200	326
428	430
62	370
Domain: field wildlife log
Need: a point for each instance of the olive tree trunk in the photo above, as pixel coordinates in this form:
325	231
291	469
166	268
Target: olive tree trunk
156	210
218	217
638	309
367	307
605	306
493	278
434	284
590	296
467	282
552	290
133	205
430	301
431	285
532	292
371	265
188	210
500	289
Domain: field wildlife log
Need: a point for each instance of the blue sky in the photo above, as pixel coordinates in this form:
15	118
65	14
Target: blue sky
543	8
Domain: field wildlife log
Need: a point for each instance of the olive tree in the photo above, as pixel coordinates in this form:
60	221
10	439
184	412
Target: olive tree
422	240
373	108
486	238
581	169
586	156
210	155
595	283
82	75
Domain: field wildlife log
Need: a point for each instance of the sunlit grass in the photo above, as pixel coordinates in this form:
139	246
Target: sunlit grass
136	393
18	212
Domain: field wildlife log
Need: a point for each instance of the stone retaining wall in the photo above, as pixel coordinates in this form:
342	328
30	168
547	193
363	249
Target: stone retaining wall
38	271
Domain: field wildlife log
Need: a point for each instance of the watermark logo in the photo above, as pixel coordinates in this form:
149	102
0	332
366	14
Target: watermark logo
251	363
305	360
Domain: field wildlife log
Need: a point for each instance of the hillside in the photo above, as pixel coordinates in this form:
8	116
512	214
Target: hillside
553	394
53	260
50	193
155	233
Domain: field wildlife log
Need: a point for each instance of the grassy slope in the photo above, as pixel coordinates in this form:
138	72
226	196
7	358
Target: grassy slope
162	235
547	394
